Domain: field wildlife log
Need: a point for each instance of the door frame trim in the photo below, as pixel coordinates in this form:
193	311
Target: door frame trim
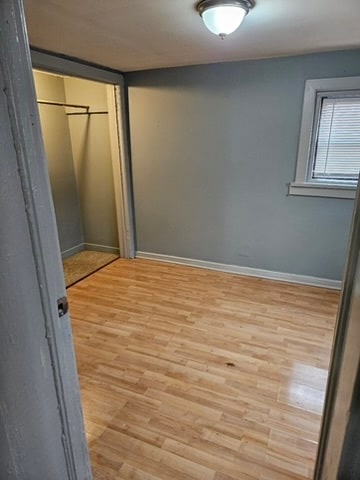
338	398
120	155
23	113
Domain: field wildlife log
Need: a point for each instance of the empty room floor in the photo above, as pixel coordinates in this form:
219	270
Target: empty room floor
187	373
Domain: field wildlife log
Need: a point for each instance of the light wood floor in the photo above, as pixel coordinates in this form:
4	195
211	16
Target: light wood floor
192	374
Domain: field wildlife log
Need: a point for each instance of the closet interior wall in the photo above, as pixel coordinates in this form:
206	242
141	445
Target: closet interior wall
80	164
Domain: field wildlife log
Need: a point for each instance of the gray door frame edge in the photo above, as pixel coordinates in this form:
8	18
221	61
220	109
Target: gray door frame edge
24	120
333	432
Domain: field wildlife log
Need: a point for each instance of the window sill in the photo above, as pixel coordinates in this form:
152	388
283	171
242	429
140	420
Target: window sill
322	190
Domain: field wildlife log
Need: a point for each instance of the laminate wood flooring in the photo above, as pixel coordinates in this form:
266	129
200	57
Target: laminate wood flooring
188	373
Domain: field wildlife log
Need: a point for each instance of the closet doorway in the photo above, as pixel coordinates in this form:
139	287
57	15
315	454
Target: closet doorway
81	139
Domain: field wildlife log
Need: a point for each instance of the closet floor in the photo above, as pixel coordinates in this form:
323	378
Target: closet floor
84	263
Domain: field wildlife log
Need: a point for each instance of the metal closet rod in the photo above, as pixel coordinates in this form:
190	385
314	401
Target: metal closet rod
71	105
88	113
61	104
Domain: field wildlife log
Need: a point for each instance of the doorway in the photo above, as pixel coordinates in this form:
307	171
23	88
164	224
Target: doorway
75	123
84	143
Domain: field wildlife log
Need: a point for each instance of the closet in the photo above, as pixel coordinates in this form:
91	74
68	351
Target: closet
76	134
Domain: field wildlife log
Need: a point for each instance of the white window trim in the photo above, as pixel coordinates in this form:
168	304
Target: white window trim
301	185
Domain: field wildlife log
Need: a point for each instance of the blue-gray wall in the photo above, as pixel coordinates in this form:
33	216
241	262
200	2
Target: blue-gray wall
213	150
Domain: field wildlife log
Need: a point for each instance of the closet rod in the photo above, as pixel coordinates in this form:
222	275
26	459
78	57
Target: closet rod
88	113
72	105
61	104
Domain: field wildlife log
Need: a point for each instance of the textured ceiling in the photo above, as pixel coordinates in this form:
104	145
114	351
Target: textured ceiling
131	35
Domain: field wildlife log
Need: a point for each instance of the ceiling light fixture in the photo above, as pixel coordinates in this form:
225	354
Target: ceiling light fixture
223	17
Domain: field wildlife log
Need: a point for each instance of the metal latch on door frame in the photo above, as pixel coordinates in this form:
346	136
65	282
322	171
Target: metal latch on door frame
63	306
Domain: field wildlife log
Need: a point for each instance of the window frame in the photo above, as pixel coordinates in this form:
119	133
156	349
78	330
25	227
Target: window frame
303	184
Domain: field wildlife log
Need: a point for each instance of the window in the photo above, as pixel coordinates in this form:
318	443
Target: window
329	149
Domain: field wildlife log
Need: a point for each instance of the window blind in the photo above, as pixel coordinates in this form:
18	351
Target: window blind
337	149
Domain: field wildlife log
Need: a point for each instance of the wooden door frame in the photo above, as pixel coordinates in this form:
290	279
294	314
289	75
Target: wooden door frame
118	136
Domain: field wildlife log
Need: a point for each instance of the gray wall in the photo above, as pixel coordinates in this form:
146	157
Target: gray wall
213	150
56	137
90	139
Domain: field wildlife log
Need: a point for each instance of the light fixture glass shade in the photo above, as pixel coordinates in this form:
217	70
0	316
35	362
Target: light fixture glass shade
223	20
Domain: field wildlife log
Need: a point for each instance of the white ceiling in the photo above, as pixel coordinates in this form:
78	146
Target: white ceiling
131	35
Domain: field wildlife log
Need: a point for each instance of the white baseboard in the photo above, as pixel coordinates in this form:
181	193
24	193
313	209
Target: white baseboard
72	251
248	271
101	248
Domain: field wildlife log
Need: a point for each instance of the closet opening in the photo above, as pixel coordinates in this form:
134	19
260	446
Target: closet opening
81	135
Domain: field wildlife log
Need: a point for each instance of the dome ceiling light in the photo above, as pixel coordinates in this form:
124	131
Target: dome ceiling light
223	17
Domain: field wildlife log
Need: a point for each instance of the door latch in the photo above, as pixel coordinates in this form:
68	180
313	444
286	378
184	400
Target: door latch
63	306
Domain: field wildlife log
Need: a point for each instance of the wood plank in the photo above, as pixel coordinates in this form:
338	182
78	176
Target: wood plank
192	374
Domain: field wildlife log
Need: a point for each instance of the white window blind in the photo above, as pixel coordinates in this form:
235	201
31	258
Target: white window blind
337	149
